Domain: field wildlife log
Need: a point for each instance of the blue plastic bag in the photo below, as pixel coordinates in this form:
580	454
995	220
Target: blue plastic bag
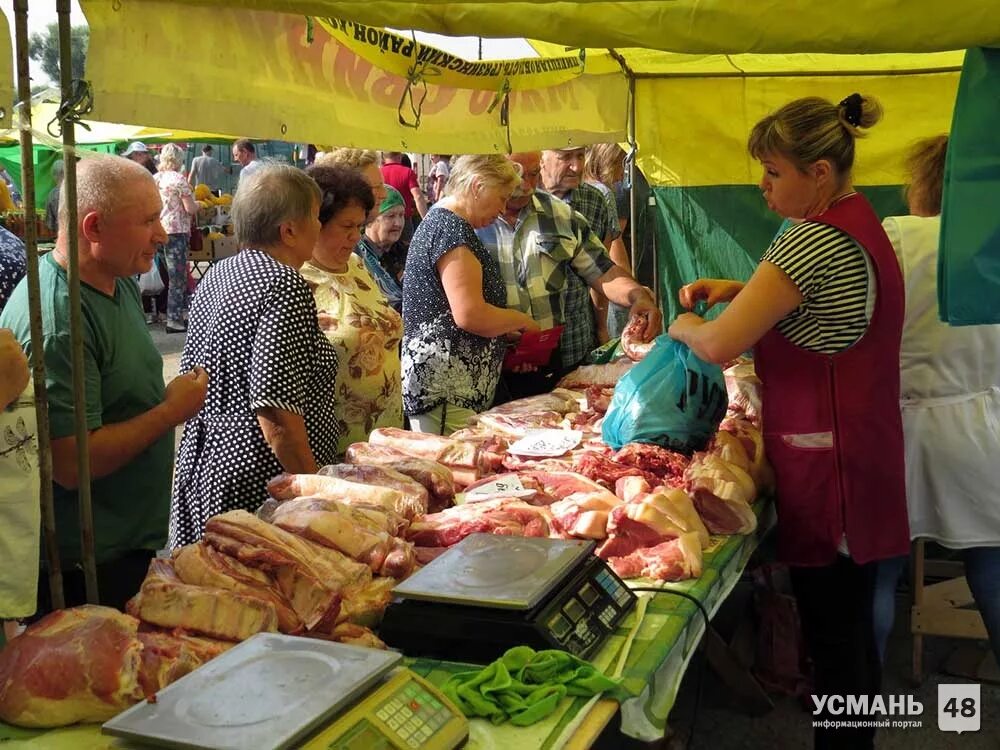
670	398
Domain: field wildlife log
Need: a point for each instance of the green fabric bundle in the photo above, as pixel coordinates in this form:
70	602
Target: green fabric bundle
525	686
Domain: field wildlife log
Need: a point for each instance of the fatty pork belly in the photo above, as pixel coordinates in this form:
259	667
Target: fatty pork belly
165	600
356	532
435	477
504	516
460	456
291	486
309	575
413	492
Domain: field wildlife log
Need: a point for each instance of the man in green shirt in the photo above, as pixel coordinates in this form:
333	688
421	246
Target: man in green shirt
131	416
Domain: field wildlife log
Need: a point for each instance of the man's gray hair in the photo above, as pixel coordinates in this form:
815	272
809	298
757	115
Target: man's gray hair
103	183
267	198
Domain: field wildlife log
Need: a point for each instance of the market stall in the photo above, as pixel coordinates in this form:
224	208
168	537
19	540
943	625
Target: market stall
644	650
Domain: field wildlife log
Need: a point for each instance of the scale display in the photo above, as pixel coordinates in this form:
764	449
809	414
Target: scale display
490	593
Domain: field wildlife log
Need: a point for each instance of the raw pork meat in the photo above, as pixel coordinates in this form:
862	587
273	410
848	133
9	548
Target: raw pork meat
631	488
516	426
599	398
527	463
559	400
201	565
675	560
722	493
435	477
290	486
167	657
753	443
634	348
165	600
666	464
451	453
587	375
346	529
744	389
606	471
583	514
503	516
73	665
309	575
414	493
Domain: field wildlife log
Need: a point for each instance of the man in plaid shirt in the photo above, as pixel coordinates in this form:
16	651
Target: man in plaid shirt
542	245
562	176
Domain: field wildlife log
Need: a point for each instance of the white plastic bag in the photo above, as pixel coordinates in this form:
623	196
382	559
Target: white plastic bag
150	282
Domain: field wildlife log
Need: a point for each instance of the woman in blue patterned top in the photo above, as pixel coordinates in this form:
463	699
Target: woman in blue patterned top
454	319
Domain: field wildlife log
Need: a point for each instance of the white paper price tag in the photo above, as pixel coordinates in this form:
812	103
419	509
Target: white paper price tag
959	707
546	443
508	487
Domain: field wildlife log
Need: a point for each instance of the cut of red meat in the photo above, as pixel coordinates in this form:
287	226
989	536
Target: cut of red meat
668	465
512	462
607	375
583	514
675	560
599	398
606	471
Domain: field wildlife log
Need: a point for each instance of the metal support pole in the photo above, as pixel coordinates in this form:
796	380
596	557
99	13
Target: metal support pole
75	317
633	211
34	306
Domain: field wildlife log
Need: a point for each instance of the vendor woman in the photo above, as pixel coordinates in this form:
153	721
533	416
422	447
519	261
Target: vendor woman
823	313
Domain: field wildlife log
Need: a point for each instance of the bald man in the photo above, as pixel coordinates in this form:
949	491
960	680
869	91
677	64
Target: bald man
130	415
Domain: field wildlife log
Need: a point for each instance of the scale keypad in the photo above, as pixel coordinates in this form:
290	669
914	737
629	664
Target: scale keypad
584	614
413	714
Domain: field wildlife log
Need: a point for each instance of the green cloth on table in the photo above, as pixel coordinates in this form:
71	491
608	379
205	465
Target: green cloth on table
525	686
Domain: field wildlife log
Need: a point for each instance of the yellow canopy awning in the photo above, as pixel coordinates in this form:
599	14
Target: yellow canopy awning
693	26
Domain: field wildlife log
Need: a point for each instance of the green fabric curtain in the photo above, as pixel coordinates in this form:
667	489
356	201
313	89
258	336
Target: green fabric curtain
969	261
722	231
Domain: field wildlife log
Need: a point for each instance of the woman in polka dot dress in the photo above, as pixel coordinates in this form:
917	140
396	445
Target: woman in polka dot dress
253	327
454	318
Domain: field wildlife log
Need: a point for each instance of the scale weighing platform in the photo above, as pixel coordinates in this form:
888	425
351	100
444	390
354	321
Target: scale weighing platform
489	593
275	691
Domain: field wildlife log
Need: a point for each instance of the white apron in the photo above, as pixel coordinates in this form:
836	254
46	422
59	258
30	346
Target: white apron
20	510
950	390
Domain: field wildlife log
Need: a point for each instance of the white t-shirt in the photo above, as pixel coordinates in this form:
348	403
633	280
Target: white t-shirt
250	168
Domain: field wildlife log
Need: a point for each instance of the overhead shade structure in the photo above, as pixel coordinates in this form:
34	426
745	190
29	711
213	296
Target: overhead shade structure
6	73
263	74
691	26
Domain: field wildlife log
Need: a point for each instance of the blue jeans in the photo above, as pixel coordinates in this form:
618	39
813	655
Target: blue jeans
982	571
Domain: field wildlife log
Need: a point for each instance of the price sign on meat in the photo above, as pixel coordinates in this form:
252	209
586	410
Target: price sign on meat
546	443
507	487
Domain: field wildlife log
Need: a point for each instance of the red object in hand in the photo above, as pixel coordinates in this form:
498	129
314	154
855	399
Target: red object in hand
534	348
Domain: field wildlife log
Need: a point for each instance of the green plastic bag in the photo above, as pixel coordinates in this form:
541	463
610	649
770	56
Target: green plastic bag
670	398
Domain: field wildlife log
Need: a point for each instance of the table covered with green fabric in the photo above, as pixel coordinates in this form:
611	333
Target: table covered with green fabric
649	653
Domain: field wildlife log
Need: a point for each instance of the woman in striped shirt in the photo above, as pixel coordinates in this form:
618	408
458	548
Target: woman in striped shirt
823	313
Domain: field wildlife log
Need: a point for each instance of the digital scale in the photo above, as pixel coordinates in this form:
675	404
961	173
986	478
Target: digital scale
489	593
275	691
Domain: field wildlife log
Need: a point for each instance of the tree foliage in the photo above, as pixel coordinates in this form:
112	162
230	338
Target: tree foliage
44	48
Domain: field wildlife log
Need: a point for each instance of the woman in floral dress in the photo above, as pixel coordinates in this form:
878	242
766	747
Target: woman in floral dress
453	300
353	312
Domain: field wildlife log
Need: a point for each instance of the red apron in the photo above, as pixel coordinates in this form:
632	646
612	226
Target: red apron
832	425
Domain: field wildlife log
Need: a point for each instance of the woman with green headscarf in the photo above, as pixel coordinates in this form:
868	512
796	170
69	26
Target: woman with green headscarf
382	250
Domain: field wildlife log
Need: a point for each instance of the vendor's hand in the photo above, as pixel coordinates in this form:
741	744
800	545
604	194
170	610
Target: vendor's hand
185	394
710	291
683	324
14	373
645	307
